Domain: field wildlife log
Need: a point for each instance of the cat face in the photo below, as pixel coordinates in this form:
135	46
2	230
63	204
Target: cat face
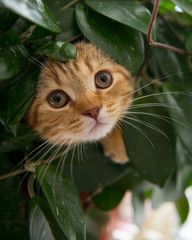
80	100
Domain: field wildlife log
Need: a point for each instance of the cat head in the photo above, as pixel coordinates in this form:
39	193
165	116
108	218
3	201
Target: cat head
80	100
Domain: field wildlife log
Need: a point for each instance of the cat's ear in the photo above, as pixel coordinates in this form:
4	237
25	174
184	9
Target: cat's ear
114	146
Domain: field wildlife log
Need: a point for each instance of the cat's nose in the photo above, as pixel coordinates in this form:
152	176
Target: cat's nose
93	112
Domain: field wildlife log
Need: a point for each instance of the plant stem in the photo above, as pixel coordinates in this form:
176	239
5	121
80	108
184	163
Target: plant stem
30	185
157	44
12	174
70	4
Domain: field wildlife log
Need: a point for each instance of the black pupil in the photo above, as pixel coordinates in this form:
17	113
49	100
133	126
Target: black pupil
103	78
57	97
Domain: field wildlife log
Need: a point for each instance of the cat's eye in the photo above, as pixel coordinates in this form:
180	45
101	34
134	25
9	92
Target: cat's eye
57	99
103	79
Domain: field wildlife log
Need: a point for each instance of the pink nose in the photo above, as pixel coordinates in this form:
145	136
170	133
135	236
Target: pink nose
93	112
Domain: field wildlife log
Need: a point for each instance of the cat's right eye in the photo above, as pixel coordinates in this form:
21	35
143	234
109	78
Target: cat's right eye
57	99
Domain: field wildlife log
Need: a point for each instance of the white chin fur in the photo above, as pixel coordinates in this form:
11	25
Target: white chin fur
98	132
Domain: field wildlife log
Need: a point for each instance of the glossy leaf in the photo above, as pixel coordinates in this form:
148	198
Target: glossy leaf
93	165
150	140
65	18
129	13
184	4
58	50
122	43
35	11
63	200
69	30
21	90
42	223
38	225
12	55
108	199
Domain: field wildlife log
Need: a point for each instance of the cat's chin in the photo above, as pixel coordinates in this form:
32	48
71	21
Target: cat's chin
98	131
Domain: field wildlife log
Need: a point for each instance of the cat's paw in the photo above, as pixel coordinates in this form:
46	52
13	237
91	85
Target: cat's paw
118	157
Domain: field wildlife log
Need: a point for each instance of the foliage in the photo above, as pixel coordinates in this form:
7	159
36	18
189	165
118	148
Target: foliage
158	129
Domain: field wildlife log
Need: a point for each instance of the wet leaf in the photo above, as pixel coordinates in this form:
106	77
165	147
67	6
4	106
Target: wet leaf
63	200
150	140
58	50
42	223
122	43
14	105
35	11
129	13
92	164
12	55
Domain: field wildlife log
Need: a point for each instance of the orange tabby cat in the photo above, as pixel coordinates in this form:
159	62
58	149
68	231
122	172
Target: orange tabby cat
83	100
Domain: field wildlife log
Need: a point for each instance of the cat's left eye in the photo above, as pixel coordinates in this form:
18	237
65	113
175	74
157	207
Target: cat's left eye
57	99
103	79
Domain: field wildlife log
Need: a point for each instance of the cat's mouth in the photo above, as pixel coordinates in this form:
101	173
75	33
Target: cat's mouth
97	126
99	130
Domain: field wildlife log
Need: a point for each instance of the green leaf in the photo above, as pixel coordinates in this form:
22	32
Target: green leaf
58	50
166	6
38	225
35	11
69	30
21	91
42	223
64	201
108	199
183	208
8	142
122	43
168	63
184	166
65	18
12	55
129	181
177	96
93	165
10	194
188	41
7	18
129	13
58	5
150	140
186	5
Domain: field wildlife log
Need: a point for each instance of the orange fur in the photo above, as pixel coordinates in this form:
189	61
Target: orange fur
76	78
